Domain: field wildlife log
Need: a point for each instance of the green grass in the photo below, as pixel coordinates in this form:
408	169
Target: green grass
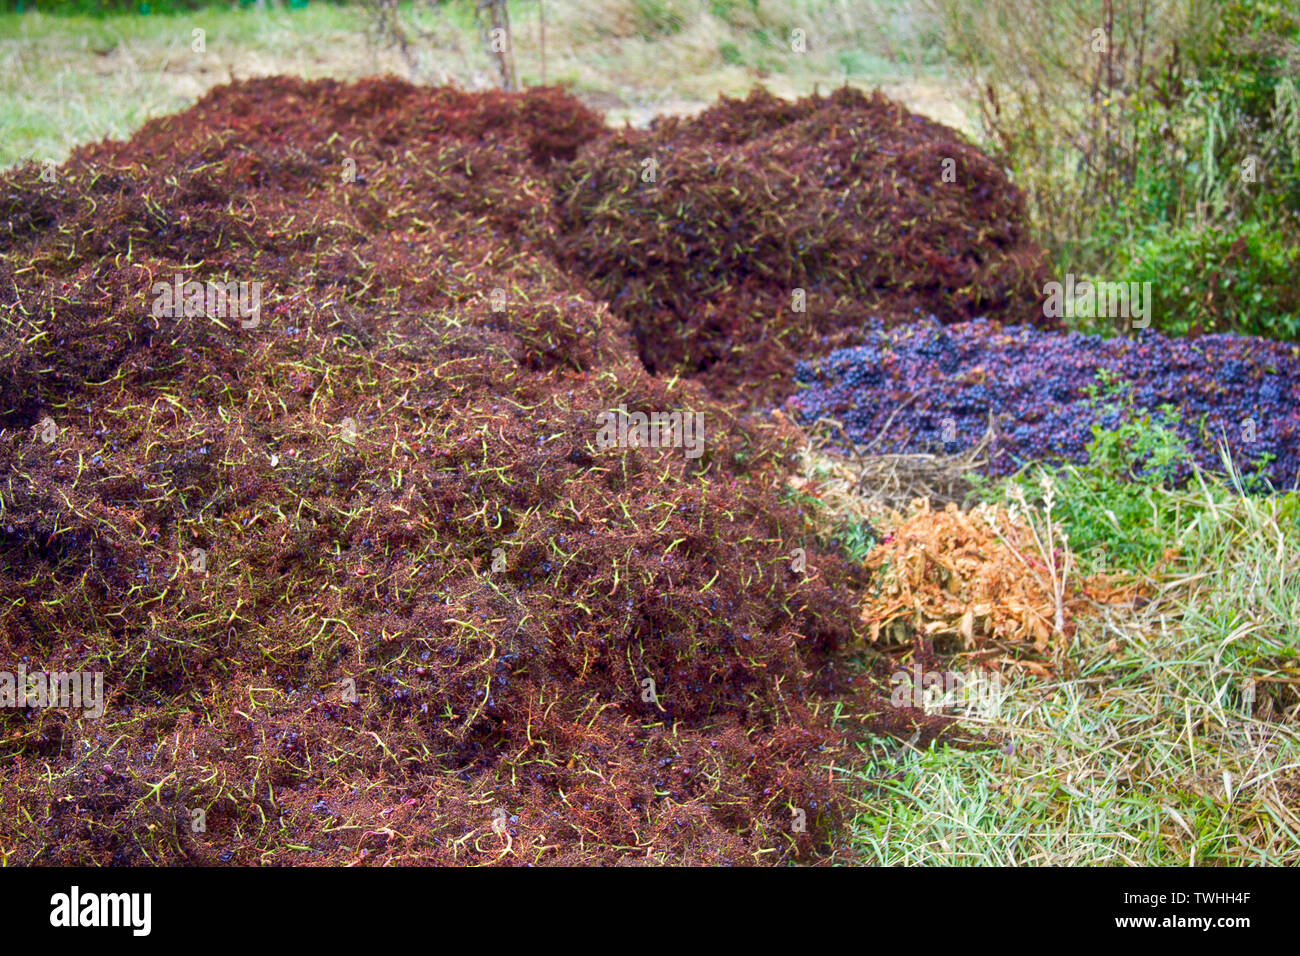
1116	509
1149	749
68	79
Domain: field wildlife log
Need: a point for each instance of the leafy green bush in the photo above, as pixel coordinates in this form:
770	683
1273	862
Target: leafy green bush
1124	509
1220	134
1205	279
730	53
1159	141
1115	509
1246	71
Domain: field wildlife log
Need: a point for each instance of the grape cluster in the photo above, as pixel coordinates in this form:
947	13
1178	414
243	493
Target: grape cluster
927	387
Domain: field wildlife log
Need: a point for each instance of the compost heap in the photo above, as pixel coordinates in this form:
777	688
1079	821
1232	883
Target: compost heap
359	578
769	231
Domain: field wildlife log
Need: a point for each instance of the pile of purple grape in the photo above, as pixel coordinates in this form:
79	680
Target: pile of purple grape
926	387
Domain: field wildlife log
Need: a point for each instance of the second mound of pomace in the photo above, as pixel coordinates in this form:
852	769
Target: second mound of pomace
926	387
706	233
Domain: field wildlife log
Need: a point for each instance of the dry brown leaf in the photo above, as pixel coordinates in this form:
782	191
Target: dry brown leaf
976	576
